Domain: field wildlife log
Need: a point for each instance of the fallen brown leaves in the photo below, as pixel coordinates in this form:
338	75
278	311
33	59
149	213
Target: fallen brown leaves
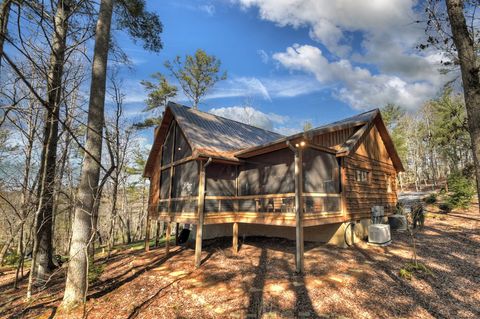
360	282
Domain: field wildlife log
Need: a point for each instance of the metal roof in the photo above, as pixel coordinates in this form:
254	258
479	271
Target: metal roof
207	132
218	137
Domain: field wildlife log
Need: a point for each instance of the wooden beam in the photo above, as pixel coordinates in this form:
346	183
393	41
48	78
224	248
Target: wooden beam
201	202
299	211
235	238
167	238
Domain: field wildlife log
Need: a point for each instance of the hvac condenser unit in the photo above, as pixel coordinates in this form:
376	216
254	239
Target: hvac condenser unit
378	233
398	222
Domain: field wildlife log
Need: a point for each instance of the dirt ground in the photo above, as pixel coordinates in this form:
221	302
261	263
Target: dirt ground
259	282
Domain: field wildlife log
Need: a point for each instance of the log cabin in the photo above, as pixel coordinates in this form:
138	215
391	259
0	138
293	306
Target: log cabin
227	178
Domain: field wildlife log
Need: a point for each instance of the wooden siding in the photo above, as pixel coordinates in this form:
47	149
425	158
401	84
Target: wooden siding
373	147
334	139
370	156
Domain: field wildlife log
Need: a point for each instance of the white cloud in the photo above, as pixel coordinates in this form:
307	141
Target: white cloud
208	9
355	85
263	56
371	57
265	88
251	116
240	86
329	20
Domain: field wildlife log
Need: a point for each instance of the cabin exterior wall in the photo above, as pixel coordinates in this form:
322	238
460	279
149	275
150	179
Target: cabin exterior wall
370	178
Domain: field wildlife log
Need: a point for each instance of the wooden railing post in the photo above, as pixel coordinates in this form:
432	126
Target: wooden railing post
201	204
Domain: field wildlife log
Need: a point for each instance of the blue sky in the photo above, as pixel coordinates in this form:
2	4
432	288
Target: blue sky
294	60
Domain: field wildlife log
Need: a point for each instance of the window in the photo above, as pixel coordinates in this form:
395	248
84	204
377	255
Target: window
361	176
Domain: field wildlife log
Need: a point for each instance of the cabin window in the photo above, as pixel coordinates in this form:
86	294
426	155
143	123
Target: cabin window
362	176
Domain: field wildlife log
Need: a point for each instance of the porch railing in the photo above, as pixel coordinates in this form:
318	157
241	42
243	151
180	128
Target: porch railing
270	203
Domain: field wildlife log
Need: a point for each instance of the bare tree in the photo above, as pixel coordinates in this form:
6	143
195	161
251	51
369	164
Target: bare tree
42	259
452	27
119	141
469	65
77	283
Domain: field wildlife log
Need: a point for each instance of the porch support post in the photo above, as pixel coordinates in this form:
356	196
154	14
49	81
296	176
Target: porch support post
147	231
299	210
235	238
167	238
176	233
201	201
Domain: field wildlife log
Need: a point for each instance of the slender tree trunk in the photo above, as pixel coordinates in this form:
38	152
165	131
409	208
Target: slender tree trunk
111	241
9	241
77	282
469	66
43	248
4	14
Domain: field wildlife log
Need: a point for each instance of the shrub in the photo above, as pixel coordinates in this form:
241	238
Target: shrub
431	199
445	207
462	190
11	258
408	270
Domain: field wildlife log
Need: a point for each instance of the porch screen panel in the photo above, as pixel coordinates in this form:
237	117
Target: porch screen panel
182	149
271	173
320	172
249	179
167	146
164	189
185	180
220	180
278	172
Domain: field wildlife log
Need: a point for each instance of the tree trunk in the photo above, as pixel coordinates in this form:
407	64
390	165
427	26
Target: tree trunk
77	282
470	77
43	249
111	240
9	241
4	14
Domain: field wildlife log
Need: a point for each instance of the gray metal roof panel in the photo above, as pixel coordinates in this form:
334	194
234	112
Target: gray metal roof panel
206	131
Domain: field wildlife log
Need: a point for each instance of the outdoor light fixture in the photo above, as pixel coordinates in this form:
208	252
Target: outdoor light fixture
302	143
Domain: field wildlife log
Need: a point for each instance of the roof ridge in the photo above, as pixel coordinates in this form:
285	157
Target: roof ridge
222	117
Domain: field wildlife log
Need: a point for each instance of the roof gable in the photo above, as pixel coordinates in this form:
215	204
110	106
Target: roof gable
352	144
209	135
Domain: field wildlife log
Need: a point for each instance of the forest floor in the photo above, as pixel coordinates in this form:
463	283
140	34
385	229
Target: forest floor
358	282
